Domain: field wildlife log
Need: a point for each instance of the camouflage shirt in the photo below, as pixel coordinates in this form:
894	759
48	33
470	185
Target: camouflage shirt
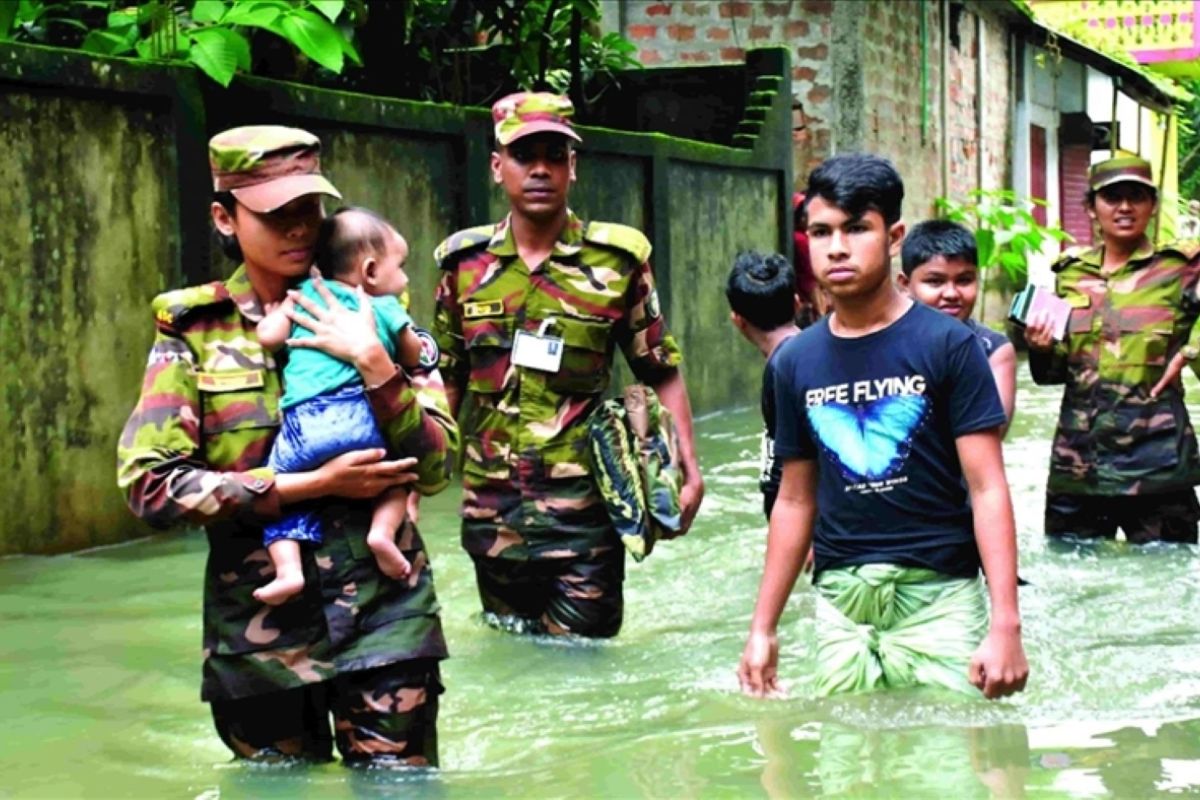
193	452
528	488
1125	324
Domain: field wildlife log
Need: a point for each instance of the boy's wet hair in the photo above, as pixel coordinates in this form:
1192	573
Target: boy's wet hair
347	234
937	237
857	183
762	289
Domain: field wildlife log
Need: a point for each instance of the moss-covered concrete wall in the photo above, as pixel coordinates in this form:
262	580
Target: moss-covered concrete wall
714	214
107	204
89	236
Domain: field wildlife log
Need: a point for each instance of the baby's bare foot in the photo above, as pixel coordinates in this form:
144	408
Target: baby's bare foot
389	558
280	590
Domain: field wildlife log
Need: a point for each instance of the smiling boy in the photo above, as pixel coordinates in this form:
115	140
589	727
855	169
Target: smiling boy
938	267
884	407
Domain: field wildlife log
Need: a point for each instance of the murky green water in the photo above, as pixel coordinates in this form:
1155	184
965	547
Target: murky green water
99	674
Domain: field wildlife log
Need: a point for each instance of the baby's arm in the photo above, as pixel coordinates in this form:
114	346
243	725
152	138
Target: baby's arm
275	327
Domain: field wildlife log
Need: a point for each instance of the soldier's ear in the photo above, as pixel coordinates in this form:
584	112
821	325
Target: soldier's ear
223	220
571	164
496	176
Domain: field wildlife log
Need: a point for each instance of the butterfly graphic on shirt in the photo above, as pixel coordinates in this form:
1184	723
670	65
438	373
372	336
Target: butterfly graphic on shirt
870	441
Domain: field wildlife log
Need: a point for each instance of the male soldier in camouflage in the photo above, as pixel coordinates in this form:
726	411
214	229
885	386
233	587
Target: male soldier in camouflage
1124	453
529	311
354	643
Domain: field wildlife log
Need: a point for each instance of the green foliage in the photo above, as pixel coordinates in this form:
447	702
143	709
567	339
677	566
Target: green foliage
1006	231
1189	146
214	35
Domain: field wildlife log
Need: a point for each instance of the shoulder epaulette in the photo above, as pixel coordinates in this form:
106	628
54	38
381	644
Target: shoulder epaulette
171	309
466	239
622	237
1069	256
1188	248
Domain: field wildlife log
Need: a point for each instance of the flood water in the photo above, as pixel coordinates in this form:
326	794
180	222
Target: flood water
99	676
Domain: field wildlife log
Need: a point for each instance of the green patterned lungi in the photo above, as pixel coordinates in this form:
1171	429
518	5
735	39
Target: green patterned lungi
886	626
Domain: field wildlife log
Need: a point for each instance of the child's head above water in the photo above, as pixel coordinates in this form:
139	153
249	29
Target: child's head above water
938	267
358	247
762	290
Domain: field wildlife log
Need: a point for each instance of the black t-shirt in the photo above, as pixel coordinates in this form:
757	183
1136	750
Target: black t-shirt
880	415
988	339
768	479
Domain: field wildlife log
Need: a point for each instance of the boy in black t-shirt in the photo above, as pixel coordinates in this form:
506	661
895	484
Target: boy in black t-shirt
938	267
884	407
763	304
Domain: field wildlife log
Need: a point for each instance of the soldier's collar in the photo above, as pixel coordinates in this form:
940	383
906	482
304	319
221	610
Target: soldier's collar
1144	252
242	294
570	240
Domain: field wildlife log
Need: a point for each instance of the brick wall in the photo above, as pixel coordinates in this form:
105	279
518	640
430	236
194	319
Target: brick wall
886	109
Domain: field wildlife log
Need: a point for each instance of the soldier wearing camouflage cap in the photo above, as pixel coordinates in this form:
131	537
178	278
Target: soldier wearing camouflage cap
353	644
1124	453
529	311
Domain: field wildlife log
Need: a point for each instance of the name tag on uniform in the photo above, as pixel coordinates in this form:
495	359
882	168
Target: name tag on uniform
537	350
230	381
487	308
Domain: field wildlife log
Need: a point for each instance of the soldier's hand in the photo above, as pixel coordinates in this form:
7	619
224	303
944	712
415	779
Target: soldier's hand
690	497
757	670
350	336
1171	375
363	473
1039	332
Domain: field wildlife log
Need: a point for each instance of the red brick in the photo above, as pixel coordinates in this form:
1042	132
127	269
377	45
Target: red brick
695	9
732	54
818	52
718	34
641	31
804	74
735	9
658	10
817	6
819	94
796	28
650	57
777	9
758	32
682	33
696	57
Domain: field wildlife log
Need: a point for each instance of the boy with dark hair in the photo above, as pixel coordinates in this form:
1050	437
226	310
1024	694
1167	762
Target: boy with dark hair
763	304
884	407
324	410
939	267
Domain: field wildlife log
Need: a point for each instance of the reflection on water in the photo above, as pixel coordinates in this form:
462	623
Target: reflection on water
99	677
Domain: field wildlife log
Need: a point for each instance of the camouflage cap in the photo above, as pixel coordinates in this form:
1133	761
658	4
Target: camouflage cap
524	113
1121	169
267	166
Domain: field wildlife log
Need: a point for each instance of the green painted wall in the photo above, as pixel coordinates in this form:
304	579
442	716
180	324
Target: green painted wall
88	238
107	204
714	214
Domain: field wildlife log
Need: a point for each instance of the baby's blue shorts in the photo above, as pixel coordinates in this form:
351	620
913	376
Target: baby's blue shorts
312	432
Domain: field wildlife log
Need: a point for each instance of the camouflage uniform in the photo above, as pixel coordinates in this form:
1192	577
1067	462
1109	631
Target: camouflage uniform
529	494
1112	438
354	642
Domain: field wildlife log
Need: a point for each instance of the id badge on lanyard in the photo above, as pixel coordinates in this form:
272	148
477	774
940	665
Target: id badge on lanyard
537	350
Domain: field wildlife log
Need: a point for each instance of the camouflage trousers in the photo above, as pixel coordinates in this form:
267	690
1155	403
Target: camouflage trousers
580	596
1165	517
386	715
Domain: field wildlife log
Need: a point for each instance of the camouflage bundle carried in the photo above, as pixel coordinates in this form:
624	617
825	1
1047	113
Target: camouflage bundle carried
635	458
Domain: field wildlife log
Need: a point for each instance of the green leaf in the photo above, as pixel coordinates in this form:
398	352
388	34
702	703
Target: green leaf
107	43
332	9
219	52
254	15
8	18
209	10
985	243
314	36
1013	266
122	18
350	52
